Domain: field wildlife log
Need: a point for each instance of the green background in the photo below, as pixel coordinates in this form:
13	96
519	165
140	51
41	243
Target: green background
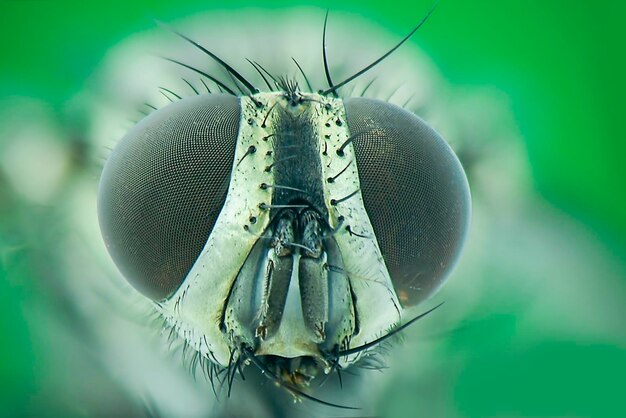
562	66
562	63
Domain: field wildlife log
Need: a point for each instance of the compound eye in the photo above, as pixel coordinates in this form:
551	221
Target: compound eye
415	193
163	188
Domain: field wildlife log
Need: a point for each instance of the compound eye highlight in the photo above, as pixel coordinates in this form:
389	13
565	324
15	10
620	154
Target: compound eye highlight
163	188
415	193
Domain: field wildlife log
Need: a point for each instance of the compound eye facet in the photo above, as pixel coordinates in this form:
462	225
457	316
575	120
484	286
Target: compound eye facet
415	193
163	188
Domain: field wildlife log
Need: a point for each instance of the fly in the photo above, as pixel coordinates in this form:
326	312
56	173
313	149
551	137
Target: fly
283	229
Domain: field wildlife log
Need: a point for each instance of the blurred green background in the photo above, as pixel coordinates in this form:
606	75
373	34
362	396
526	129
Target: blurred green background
561	66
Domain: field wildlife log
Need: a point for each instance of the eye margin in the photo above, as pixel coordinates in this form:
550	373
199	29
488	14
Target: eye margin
163	187
415	192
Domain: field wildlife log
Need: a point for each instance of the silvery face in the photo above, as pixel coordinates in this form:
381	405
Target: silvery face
282	226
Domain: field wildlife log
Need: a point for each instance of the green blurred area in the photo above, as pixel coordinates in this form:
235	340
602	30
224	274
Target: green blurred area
561	65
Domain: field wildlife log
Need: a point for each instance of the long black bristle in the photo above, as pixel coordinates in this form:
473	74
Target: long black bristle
230	377
334	88
386	336
191	87
287	386
205	86
407	101
338	371
210	372
166	96
274	79
393	93
368	86
221	62
210	77
306	79
237	85
171	92
258	70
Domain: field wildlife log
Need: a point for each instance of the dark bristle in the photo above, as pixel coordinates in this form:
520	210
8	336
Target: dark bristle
237	84
220	374
335	202
258	70
333	178
349	141
393	93
191	87
406	103
210	369
306	79
334	88
172	336
230	377
221	62
166	96
268	73
202	73
356	234
368	86
267	372
338	371
240	369
185	348
377	341
267	115
171	92
289	86
193	364
205	86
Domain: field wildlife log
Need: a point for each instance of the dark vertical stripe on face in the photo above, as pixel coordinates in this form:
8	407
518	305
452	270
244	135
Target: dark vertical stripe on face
297	161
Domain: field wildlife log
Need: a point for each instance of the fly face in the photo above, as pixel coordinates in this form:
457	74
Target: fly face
286	229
